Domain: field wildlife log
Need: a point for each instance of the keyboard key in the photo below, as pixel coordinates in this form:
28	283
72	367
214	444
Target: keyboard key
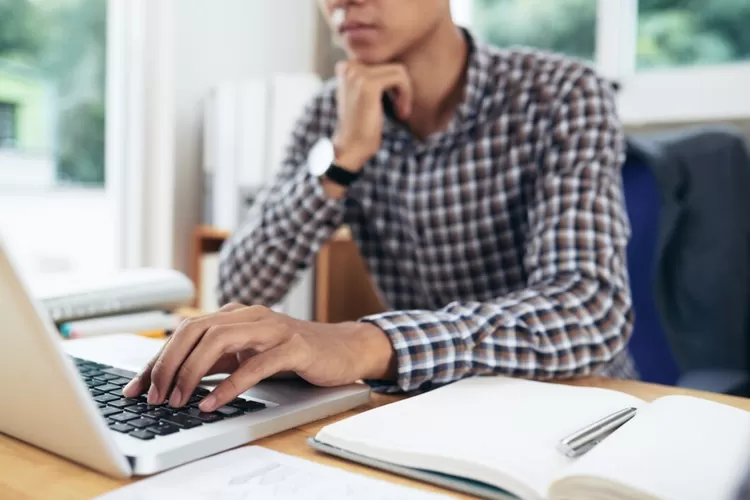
119	372
158	414
105	398
106	377
248	406
108	412
182	421
110	422
119	427
125	417
206	418
142	422
139	408
200	391
108	387
123	402
228	411
163	429
194	400
96	393
95	383
120	381
142	434
94	373
101	405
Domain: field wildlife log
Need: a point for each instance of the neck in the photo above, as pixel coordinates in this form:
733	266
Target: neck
437	68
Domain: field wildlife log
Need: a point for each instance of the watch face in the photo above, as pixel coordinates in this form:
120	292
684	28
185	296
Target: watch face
321	157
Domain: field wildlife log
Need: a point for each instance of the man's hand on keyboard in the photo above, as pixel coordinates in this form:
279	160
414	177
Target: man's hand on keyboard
254	343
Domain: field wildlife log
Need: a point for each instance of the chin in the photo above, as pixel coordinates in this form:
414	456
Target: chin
370	55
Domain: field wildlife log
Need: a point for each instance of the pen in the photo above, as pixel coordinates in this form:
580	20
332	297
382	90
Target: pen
147	322
583	440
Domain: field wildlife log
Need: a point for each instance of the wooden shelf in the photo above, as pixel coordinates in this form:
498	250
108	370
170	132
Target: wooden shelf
343	288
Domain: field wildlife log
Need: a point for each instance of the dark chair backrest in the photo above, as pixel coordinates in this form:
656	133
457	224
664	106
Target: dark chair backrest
696	275
648	345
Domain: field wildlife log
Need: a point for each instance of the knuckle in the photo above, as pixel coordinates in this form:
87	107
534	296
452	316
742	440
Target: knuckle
296	338
258	310
232	386
230	307
158	373
286	330
214	332
185	376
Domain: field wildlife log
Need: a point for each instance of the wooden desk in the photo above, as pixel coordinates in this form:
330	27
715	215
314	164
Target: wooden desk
32	474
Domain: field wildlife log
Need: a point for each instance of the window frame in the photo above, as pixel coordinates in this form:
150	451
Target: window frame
140	167
648	96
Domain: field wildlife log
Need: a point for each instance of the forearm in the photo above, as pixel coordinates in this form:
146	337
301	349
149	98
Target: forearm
279	240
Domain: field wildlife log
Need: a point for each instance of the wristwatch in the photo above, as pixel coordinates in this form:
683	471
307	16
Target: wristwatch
321	163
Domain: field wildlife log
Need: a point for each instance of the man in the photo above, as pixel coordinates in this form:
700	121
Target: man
483	189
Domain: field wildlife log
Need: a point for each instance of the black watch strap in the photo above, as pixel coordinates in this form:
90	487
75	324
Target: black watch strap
341	176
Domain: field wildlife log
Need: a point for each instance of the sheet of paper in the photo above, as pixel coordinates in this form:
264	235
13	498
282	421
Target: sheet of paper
253	472
127	351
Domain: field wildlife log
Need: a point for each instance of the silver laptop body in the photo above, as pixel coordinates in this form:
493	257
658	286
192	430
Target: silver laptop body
45	401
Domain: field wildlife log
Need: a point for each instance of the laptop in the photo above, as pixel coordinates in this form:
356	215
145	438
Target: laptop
65	397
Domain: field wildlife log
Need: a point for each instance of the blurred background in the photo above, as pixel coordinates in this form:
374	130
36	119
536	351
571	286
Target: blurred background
103	102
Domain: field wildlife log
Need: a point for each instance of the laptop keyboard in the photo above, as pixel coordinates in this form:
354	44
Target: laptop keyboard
140	420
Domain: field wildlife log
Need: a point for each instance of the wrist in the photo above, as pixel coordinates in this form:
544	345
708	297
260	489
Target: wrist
347	157
375	354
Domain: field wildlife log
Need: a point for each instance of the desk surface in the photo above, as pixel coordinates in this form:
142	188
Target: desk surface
29	473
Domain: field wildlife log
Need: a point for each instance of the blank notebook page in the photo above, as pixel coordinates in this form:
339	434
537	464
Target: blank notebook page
677	447
507	424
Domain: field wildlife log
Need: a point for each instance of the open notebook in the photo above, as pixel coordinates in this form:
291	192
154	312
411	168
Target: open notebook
497	437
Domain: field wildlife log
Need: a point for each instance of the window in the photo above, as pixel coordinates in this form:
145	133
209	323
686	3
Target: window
56	214
675	60
53	67
7	125
675	33
566	26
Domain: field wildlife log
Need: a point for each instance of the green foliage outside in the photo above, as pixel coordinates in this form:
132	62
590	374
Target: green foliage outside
66	41
670	32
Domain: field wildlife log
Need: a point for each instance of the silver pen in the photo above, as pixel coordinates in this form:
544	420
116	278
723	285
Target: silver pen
583	440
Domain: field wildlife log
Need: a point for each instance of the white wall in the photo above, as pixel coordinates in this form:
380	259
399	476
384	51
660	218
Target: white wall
224	40
58	231
26	170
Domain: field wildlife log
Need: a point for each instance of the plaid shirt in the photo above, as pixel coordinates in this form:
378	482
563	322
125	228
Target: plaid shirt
498	245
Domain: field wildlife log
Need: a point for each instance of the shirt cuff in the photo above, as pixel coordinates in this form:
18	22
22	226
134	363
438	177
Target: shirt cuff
417	354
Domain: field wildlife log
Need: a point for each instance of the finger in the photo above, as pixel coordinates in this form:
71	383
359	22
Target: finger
252	371
217	342
394	77
184	341
141	382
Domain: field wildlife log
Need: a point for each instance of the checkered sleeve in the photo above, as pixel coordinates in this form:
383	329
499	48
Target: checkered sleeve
284	229
574	314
